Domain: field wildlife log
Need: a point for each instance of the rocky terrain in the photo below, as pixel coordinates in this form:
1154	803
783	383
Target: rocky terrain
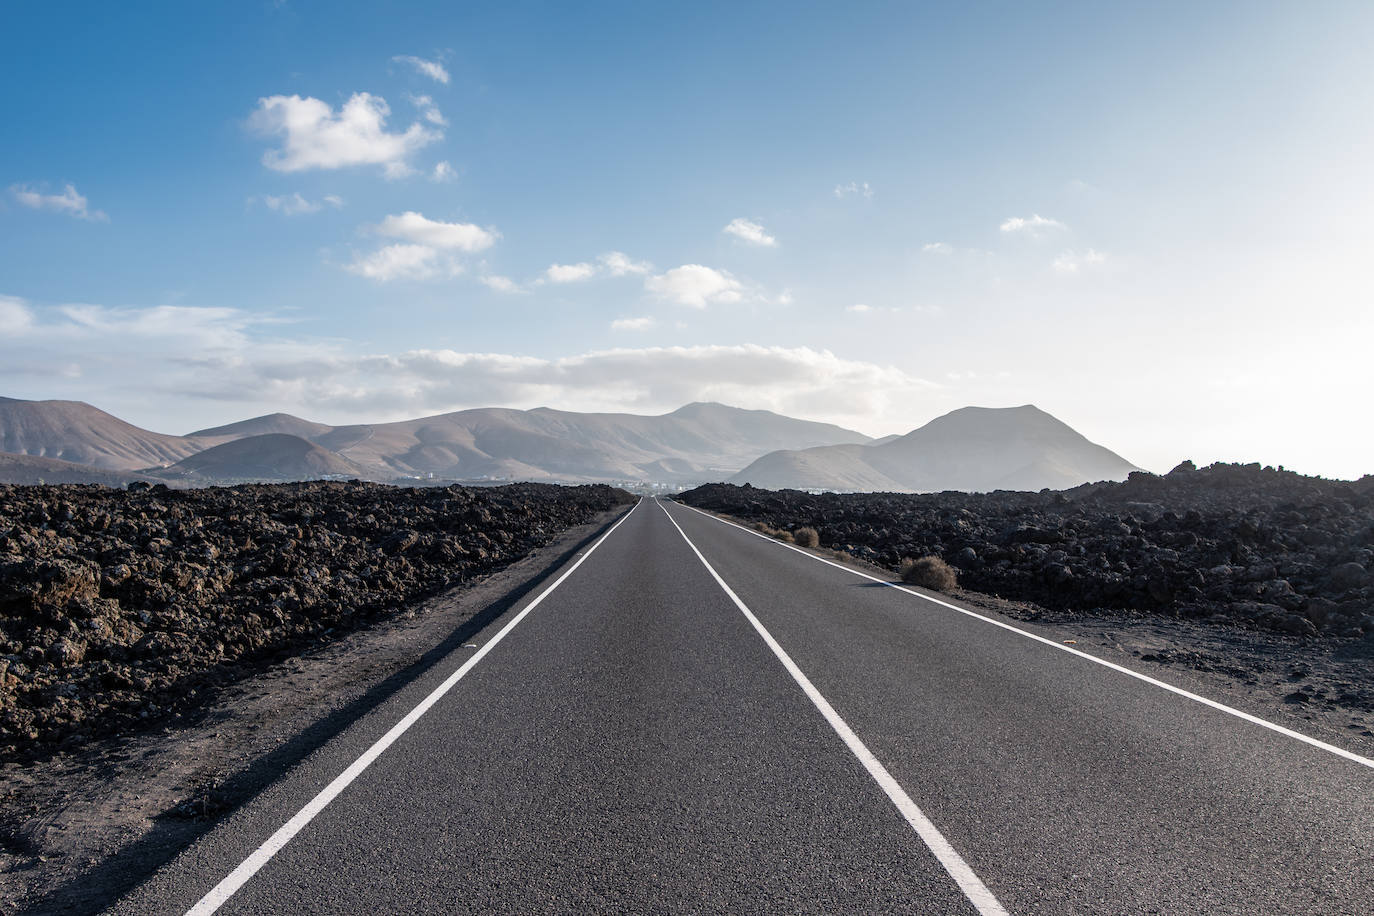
1261	548
120	608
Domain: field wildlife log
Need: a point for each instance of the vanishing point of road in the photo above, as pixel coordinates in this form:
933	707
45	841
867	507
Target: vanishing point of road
691	718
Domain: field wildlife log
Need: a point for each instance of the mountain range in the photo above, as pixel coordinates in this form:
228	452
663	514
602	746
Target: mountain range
972	449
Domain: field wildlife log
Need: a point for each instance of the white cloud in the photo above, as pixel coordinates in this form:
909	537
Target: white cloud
696	286
849	190
69	202
428	110
632	324
397	262
443	172
570	273
1071	262
415	227
940	248
15	316
618	264
294	204
430	68
159	365
1035	225
750	232
315	137
859	308
500	284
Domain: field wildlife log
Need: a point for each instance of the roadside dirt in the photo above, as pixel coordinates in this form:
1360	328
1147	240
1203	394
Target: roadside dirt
83	827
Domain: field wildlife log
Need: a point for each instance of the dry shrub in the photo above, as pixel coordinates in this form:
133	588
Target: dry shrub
843	556
929	572
784	536
807	537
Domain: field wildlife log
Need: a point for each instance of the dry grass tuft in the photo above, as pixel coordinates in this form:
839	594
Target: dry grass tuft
929	572
807	537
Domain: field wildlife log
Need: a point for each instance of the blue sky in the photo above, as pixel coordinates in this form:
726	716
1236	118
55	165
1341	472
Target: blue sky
1151	220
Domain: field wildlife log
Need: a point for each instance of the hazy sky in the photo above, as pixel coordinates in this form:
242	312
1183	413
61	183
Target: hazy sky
1152	220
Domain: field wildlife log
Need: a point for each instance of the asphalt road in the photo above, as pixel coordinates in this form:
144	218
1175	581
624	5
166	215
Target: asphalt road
771	733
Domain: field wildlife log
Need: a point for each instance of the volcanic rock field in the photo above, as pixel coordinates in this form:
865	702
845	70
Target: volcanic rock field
120	608
1261	548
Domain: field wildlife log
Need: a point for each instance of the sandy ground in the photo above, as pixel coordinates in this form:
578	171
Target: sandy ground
82	829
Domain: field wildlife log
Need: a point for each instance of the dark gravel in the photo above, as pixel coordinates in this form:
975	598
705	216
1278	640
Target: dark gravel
1257	547
122	608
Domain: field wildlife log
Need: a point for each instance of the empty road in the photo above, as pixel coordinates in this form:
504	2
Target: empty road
693	718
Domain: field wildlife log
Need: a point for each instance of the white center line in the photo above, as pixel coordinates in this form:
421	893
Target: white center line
221	892
1222	707
969	882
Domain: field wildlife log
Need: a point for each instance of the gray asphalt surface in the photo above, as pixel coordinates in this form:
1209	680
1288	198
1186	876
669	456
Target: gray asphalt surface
634	746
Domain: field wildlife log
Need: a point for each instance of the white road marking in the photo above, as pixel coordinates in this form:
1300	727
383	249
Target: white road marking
1197	698
969	882
263	854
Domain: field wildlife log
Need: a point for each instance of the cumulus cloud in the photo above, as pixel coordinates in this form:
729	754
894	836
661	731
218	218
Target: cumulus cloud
618	264
1071	262
570	273
68	202
430	68
695	285
750	232
397	262
849	190
443	172
294	204
632	324
1034	225
415	227
314	136
500	284
941	248
859	308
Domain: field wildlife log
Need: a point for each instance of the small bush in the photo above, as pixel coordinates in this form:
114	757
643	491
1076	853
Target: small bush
807	537
843	556
784	536
929	572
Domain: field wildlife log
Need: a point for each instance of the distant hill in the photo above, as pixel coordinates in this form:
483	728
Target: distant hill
693	444
27	469
258	426
272	456
975	449
77	432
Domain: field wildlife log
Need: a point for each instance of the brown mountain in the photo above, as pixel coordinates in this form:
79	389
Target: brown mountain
272	456
77	432
975	449
694	443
